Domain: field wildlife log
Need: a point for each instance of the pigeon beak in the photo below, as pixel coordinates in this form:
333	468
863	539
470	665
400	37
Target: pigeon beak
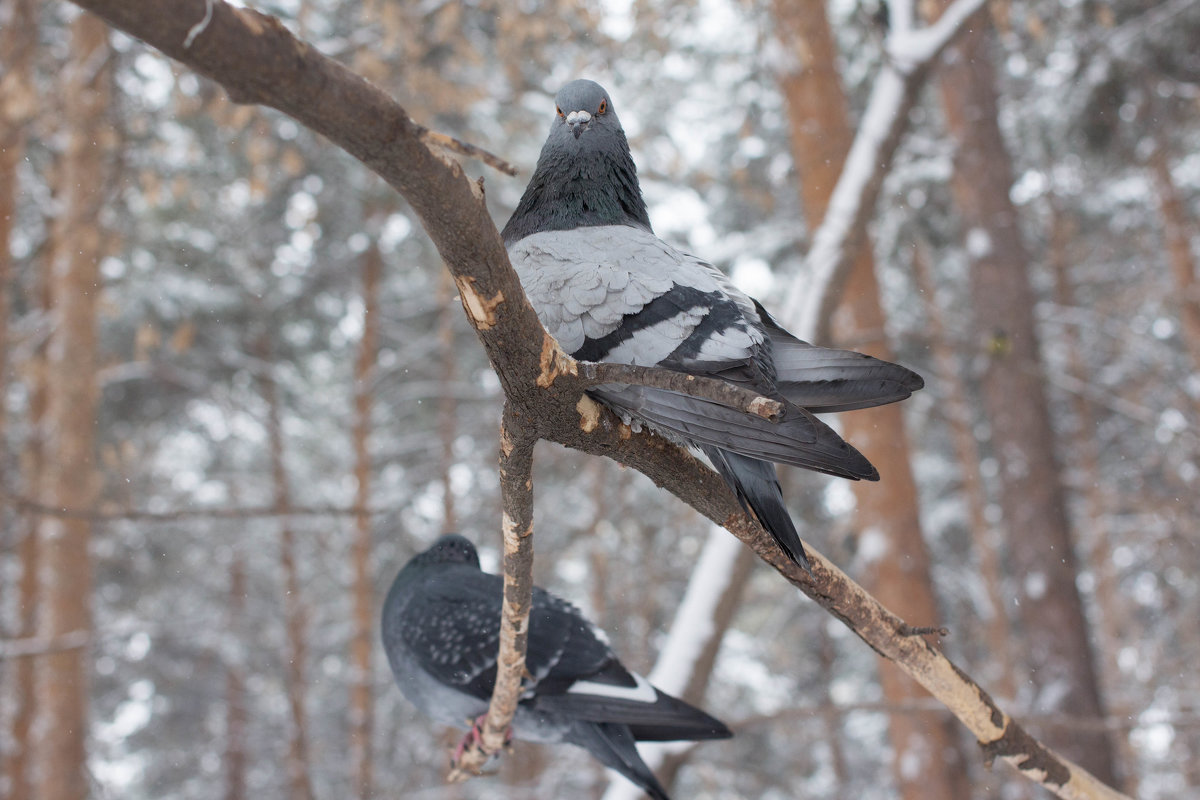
578	122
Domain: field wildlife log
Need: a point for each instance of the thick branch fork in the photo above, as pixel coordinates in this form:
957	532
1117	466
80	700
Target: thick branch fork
257	60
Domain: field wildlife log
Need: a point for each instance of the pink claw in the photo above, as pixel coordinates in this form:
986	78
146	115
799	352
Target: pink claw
474	736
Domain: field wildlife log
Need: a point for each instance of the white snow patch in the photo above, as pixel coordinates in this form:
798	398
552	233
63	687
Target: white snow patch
1053	695
1035	585
753	276
979	243
873	545
1155	740
910	764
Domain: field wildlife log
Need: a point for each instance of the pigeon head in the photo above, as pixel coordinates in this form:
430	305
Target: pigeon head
585	175
449	549
583	106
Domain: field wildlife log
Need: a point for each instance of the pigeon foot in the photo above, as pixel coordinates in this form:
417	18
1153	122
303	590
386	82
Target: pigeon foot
474	737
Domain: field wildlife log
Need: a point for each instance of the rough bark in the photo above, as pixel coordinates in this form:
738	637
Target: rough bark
927	762
64	565
363	622
258	60
299	781
517	439
1012	384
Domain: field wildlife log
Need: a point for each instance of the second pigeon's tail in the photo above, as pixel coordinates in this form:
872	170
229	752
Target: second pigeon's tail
757	487
613	744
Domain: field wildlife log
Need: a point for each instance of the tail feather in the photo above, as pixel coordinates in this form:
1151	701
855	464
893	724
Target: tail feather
822	379
800	439
613	744
757	487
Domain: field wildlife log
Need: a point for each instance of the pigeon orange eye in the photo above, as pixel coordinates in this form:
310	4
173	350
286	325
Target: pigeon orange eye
559	110
603	106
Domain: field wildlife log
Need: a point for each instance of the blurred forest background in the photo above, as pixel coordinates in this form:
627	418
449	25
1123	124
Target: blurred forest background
237	393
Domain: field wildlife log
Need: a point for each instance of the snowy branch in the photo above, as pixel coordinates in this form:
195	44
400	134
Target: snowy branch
257	60
910	55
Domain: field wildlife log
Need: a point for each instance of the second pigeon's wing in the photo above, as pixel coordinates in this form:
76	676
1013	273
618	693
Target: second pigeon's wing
451	628
454	633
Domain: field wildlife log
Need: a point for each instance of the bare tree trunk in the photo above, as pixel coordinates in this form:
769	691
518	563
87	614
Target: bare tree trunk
235	686
360	647
64	565
299	782
1097	506
1177	234
1031	496
927	762
18	34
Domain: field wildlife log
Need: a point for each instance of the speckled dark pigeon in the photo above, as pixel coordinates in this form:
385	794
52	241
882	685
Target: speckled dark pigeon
441	631
608	289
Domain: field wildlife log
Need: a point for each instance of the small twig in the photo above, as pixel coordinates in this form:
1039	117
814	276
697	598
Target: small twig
22	503
445	142
44	645
200	26
517	439
922	630
714	390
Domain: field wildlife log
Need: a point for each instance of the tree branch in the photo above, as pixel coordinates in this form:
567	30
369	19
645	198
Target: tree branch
44	645
747	401
517	438
258	60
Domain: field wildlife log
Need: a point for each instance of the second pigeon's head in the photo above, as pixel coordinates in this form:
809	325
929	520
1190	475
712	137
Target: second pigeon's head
448	549
584	110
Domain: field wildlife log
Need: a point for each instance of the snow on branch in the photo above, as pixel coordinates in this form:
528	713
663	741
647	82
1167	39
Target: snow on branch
910	53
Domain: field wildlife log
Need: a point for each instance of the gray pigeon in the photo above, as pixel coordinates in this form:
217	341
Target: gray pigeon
608	289
441	631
